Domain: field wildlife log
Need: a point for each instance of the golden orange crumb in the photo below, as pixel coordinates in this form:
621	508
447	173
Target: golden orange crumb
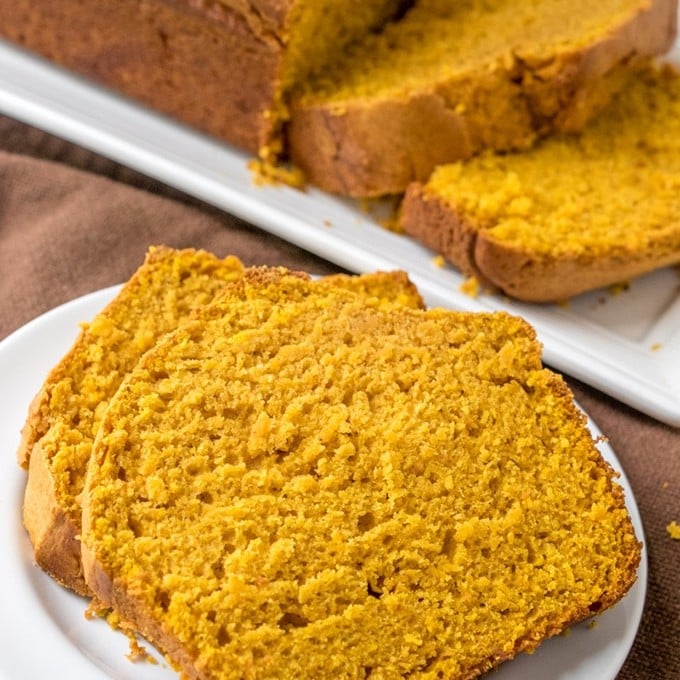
95	610
138	653
438	261
470	287
673	530
391	223
618	288
592	624
655	347
664	485
267	174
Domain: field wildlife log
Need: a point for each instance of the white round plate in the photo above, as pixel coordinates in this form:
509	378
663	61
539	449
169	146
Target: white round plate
43	629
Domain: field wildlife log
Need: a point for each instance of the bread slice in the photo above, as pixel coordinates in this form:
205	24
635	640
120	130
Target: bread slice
572	214
222	67
303	482
453	78
64	418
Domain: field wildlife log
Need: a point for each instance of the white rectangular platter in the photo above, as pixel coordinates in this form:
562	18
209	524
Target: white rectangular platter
625	344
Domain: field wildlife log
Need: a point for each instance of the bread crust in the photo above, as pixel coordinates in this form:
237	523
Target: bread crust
133	616
534	279
369	148
178	57
31	431
54	537
517	273
427	218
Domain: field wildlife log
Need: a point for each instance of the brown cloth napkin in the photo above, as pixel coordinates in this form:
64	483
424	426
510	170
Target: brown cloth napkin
83	222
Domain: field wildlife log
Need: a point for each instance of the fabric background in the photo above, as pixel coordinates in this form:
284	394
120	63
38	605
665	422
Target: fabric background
72	222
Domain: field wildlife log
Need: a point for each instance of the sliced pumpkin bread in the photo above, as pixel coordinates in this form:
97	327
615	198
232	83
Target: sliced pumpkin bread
574	213
450	79
305	482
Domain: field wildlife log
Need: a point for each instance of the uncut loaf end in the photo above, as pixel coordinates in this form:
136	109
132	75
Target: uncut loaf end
223	67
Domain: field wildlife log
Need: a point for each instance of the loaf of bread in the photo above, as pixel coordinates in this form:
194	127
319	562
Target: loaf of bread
381	90
453	78
571	214
64	418
221	66
303	482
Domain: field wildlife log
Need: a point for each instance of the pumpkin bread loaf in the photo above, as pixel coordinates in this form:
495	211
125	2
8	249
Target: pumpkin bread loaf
221	66
452	78
306	482
382	89
64	418
575	212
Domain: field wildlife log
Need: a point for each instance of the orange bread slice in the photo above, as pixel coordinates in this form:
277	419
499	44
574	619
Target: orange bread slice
57	438
453	78
572	214
64	417
307	483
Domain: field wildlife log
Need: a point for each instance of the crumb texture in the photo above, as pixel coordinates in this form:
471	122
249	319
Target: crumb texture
165	292
575	212
438	40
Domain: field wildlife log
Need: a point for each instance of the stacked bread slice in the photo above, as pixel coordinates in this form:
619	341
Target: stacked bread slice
320	478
